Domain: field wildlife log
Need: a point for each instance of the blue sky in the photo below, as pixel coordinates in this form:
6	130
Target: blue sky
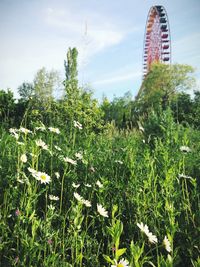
108	34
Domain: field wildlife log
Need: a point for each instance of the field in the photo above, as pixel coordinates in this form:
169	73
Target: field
73	197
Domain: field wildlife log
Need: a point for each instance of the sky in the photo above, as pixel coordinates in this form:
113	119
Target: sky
108	35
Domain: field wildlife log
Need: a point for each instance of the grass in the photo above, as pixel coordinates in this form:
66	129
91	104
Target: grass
136	177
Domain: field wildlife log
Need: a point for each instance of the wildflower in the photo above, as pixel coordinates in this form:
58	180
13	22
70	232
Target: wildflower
32	171
33	155
88	185
86	202
141	128
185	149
122	263
119	161
23	158
78	197
57	174
51	207
78	125
54	130
79	155
101	210
43	177
52	197
17	212
152	238
14	133
24	130
58	148
144	228
184	176
100	185
49	241
75	185
41	128
73	162
13	130
41	144
20	143
92	169
166	244
16	260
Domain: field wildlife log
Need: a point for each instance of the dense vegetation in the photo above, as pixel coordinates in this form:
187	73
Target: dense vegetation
110	184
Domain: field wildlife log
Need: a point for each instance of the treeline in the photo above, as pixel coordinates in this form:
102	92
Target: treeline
165	87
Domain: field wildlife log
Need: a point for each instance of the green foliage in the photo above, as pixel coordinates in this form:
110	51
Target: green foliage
26	90
44	83
71	73
6	107
163	82
53	180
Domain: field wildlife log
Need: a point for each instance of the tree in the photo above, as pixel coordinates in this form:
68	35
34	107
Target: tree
163	82
7	106
26	90
44	84
71	73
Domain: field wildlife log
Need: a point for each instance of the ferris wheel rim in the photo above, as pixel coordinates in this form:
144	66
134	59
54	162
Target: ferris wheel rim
157	25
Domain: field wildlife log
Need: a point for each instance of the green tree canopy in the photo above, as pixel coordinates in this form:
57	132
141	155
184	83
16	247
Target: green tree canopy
26	90
163	82
44	84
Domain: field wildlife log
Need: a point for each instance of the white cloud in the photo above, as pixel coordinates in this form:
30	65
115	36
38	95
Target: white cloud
115	78
91	33
186	49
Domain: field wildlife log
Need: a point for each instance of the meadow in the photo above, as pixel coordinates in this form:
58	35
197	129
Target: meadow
73	197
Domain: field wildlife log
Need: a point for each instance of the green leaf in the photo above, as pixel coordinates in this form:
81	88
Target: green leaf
120	252
108	259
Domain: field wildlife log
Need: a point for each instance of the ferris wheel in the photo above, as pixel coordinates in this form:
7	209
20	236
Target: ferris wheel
157	42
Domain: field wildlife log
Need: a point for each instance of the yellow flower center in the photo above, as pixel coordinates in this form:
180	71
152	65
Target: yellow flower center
43	177
120	265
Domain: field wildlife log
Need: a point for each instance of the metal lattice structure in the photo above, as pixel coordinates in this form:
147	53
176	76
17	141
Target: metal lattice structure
157	42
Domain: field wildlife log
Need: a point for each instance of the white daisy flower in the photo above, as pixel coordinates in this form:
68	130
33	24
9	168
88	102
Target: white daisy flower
51	207
86	202
54	130
68	160
75	185
88	185
58	148
79	155
184	176
57	174
40	128
32	171
101	210
14	133
43	177
166	244
119	161
52	197
152	238
20	143
41	144
78	125
78	197
13	130
122	263
23	158
100	185
144	228
185	149
24	130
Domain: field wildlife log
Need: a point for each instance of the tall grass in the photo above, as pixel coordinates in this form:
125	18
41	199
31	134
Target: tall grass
52	183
